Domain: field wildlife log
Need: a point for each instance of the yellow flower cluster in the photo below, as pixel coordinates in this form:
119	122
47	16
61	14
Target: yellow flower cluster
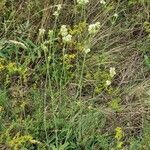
119	133
12	67
119	136
2	67
18	141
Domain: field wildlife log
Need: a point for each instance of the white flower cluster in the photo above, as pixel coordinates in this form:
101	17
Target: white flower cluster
103	2
112	73
41	32
66	37
63	30
82	2
59	7
50	33
87	50
108	82
116	15
94	28
56	13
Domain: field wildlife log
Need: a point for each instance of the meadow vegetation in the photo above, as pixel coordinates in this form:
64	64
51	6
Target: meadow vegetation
75	75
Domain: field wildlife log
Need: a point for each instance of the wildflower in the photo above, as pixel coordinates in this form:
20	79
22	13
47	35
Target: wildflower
56	13
103	2
23	105
115	15
50	33
44	48
72	56
12	67
35	142
119	133
79	103
90	107
82	2
49	58
63	30
59	7
87	50
67	38
119	145
93	28
1	66
112	72
41	32
108	82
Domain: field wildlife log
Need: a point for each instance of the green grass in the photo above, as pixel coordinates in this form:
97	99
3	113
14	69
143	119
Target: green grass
84	85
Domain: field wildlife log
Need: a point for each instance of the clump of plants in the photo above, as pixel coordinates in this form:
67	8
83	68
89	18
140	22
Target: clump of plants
70	74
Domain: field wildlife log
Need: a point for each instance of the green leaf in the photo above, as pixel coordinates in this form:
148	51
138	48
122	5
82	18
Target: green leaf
147	61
